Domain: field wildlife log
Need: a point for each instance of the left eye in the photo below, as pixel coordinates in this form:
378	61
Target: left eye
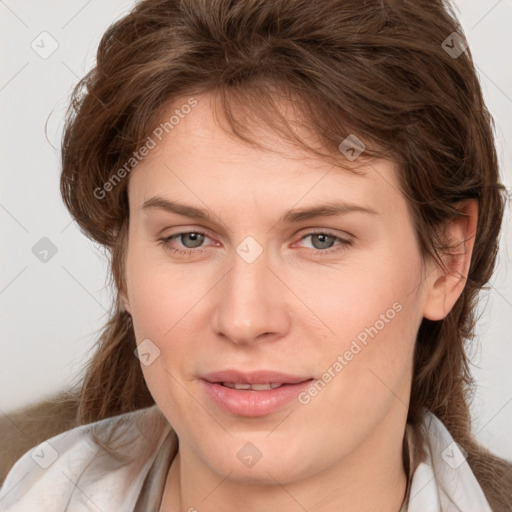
325	240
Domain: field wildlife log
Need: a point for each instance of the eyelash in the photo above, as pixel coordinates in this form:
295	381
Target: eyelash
166	242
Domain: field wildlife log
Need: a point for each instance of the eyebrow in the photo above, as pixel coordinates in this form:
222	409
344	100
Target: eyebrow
329	209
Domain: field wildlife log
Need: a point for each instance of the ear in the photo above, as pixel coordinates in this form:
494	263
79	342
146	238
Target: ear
445	286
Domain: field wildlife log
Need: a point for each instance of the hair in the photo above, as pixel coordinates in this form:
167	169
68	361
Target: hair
375	69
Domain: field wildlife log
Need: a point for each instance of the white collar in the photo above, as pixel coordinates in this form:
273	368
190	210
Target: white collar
443	481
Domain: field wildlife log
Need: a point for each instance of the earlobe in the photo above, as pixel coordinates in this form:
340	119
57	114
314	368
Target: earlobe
445	285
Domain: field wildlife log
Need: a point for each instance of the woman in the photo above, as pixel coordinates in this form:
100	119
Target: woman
302	201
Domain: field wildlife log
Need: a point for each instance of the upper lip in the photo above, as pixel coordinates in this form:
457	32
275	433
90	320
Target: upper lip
253	377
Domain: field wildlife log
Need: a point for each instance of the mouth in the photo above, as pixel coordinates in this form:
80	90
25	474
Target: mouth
254	387
252	394
264	377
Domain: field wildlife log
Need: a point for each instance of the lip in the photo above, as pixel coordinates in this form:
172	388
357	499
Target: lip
252	403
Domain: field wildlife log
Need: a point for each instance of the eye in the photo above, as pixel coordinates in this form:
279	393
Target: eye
191	240
323	242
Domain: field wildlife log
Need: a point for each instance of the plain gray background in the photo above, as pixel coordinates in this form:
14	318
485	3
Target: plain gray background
51	311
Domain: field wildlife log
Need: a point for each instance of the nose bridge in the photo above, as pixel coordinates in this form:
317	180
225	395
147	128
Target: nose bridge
249	302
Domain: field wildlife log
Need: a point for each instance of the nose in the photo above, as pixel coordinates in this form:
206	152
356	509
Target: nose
251	303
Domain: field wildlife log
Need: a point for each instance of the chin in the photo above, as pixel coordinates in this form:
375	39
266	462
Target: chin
254	460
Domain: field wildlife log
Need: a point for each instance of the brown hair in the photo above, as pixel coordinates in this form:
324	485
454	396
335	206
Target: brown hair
377	69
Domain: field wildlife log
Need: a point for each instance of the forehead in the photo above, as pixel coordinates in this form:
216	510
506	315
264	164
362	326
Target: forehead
199	158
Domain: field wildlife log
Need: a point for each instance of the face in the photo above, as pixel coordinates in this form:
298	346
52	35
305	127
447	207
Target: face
254	293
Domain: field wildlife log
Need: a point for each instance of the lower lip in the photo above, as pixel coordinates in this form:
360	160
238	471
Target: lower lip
247	402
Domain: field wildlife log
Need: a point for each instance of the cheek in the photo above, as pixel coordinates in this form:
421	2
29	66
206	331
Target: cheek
160	294
366	373
375	311
166	302
374	292
159	303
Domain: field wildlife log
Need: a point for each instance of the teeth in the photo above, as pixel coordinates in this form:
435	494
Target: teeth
254	387
260	387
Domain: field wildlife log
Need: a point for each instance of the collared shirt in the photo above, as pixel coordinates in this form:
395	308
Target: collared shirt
121	464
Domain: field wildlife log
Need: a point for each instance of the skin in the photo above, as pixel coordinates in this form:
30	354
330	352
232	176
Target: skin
292	310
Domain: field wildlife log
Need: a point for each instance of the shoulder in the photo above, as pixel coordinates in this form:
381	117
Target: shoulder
102	464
